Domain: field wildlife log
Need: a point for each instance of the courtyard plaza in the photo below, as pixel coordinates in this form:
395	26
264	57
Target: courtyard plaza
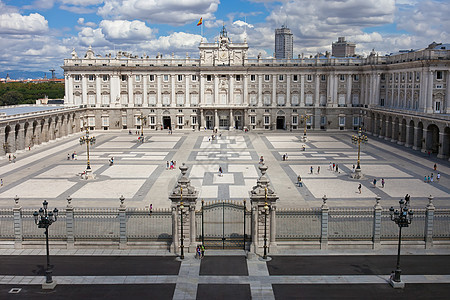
141	175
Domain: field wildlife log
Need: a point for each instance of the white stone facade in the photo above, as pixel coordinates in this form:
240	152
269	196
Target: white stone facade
224	89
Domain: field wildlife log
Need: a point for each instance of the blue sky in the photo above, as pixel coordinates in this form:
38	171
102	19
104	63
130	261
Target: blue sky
38	34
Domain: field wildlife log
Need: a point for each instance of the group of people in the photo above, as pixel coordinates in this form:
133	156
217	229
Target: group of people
430	178
334	167
12	158
285	156
171	165
73	155
200	251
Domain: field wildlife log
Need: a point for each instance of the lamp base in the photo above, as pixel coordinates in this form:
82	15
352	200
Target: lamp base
49	286
397	284
357	174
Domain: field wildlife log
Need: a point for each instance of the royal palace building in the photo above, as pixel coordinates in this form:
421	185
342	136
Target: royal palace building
402	97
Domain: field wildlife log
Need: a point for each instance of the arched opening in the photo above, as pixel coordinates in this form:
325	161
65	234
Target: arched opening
209	120
446	143
281	120
410	133
433	138
402	139
396	132
6	146
389	128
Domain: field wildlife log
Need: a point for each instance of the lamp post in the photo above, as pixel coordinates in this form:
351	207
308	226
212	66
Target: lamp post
357	139
182	234
266	209
143	121
44	220
87	140
303	119
402	218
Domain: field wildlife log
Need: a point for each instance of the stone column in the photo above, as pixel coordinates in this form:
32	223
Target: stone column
216	90
429	95
416	143
348	99
123	224
145	90
377	224
66	89
447	93
245	96
288	90
158	91
130	91
216	120
263	202
231	125
324	224
231	91
335	91
84	100
17	213
429	219
399	133
302	90
317	92
98	90
408	137
184	199
274	91
201	100
260	100
394	133
187	91
173	100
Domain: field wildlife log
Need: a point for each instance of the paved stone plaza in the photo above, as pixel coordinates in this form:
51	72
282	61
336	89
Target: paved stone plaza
141	176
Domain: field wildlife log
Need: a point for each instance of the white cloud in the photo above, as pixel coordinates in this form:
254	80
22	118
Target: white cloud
81	2
14	23
88	24
48	51
178	42
242	24
174	12
91	37
125	31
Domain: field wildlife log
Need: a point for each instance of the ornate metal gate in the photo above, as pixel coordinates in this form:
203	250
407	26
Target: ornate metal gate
224	225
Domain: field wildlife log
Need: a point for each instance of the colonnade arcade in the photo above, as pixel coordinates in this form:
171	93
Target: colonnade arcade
424	134
22	133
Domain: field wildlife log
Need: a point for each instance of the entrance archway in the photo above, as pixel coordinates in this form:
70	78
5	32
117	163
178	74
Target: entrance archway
281	122
433	138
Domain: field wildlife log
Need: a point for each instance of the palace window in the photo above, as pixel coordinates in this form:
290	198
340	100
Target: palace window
309	77
266	120
266	77
341	77
105	78
91	77
208	78
77	77
295	78
194	77
280	78
180	78
137	78
252	78
165	78
238	77
439	75
124	77
151	78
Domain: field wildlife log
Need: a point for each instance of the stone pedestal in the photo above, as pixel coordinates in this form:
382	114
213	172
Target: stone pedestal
263	204
358	174
397	284
184	199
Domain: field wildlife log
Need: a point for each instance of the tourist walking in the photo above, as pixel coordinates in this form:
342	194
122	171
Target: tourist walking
435	167
407	197
374	182
220	171
299	181
318	169
438	176
311	170
359	188
337	168
382	182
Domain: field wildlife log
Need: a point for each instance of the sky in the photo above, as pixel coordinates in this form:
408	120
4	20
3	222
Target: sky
36	35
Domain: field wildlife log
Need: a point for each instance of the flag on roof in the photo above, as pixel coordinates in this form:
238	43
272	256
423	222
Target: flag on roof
200	22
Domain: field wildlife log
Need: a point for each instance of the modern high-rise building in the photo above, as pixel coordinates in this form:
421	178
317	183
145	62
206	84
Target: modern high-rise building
284	43
342	48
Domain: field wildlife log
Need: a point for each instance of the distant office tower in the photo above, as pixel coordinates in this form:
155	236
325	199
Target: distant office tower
342	48
284	43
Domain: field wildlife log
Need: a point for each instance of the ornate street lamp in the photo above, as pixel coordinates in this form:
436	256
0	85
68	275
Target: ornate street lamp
266	210
143	121
357	140
87	140
44	220
181	215
402	218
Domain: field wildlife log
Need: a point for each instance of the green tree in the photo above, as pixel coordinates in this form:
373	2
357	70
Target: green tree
11	98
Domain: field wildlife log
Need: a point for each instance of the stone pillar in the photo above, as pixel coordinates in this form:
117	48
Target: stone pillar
429	219
399	134
173	100
66	89
17	213
377	224
216	120
245	95
441	145
348	98
260	100
184	199
408	137
263	202
302	90
288	90
416	143
231	125
123	224
324	224
84	100
216	90
69	224
158	91
187	100
447	94
145	90
274	91
231	91
317	91
98	90
429	95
